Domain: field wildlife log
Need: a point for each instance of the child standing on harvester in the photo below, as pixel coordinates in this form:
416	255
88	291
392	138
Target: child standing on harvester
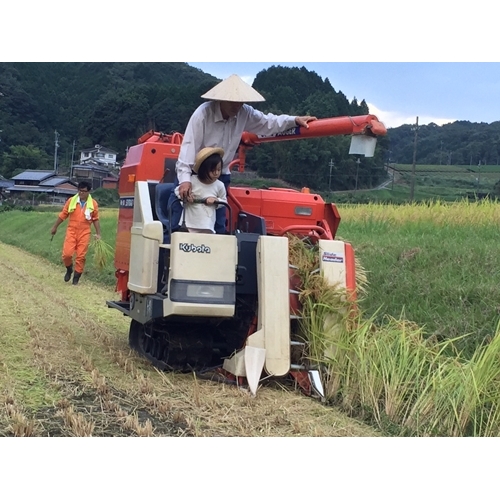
207	191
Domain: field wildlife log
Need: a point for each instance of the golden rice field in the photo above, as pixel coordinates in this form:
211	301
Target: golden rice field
420	358
437	213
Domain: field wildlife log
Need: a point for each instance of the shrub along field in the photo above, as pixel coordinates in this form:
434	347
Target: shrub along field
422	356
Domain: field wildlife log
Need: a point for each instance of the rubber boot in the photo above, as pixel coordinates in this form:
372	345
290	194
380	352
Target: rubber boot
76	278
69	272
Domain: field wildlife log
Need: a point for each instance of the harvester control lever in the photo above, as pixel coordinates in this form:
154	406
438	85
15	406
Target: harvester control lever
204	201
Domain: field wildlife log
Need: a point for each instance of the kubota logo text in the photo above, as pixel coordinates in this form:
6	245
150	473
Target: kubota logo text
189	247
291	131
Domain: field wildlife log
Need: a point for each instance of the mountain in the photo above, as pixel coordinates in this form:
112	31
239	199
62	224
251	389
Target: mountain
457	143
90	103
112	104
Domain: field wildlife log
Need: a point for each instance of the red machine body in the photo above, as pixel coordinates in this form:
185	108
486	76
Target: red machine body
282	208
153	159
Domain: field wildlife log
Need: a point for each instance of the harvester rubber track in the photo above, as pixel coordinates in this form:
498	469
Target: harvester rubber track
187	346
173	346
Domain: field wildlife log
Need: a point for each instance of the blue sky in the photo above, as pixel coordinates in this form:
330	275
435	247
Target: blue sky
398	92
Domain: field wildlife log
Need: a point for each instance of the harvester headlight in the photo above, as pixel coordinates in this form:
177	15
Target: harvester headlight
303	211
201	292
215	291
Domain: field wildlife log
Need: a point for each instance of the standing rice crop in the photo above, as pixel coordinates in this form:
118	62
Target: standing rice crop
393	373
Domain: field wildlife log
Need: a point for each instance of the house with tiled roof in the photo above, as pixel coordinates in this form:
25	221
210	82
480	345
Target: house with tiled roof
98	155
33	183
97	166
110	182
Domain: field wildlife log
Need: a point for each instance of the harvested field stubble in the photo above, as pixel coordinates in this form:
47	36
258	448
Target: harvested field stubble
66	370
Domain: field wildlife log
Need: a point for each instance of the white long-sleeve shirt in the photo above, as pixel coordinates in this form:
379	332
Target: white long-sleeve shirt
207	128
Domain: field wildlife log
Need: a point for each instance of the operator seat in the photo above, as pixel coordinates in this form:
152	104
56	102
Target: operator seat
162	195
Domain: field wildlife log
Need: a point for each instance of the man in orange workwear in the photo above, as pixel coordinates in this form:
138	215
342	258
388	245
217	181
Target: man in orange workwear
82	211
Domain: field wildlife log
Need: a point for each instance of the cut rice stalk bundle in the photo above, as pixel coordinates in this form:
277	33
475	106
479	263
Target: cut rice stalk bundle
328	316
103	252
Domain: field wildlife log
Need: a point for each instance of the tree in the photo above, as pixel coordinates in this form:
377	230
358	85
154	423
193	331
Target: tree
21	158
320	104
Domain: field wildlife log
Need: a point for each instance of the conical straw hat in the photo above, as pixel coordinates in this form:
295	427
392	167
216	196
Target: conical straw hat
233	89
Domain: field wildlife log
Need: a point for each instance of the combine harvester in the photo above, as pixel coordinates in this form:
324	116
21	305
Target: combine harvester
229	301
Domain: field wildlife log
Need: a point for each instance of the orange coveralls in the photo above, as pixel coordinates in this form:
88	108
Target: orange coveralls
78	234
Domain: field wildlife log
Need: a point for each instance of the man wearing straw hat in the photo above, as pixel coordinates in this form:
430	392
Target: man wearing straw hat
220	123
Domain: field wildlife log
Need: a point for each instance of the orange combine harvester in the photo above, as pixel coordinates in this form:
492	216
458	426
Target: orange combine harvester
226	302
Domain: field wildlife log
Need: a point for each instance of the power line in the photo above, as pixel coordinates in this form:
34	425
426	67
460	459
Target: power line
55	152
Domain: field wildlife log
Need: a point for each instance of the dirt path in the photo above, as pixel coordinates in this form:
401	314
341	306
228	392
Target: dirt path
66	370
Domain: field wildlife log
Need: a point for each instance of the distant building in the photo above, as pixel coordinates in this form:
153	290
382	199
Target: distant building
95	174
33	183
98	166
98	155
110	182
5	185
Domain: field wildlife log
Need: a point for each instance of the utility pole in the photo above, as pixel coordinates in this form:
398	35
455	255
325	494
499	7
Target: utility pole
412	192
72	158
55	152
331	164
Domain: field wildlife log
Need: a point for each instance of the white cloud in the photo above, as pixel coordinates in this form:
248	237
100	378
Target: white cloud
223	75
392	119
248	79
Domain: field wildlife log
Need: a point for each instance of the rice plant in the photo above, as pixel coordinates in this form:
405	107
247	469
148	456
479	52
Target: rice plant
393	374
102	251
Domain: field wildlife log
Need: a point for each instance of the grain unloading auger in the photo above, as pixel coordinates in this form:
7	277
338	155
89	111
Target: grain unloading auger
199	301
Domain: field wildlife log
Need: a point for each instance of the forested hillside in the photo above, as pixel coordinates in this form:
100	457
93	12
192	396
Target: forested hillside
90	103
112	104
457	143
318	163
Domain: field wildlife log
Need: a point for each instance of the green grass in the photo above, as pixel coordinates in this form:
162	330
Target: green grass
31	231
440	270
29	387
432	182
450	168
16	362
